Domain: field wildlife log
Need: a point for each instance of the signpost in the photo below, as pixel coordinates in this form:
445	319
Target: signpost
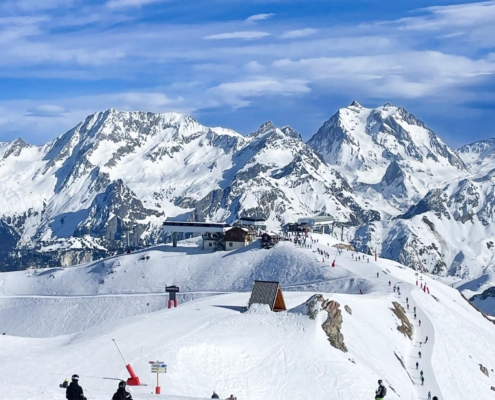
172	291
158	367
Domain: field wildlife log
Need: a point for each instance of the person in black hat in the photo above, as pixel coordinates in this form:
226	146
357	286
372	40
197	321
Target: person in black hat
74	391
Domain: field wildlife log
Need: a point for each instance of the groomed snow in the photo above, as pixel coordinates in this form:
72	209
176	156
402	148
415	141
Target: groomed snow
209	344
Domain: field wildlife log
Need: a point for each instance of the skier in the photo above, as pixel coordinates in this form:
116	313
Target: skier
398	288
407	306
74	391
395	287
426	340
65	385
421	373
414	315
407	299
417	365
419	354
419	322
414	308
232	397
368	260
435	398
215	395
429	395
121	393
422	380
381	392
389	283
377	274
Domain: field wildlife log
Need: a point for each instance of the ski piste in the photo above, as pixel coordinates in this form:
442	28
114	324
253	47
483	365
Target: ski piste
210	338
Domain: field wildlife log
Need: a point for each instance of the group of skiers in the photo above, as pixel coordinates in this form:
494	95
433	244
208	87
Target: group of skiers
381	392
75	391
216	396
396	288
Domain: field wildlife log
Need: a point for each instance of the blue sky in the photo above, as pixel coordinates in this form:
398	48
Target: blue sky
238	63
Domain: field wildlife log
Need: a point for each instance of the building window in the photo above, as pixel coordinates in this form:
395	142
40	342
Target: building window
231	244
210	244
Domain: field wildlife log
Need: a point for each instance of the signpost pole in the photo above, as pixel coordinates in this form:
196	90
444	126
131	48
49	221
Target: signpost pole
158	367
158	390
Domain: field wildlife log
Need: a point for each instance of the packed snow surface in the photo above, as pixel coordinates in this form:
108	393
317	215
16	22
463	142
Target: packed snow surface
209	344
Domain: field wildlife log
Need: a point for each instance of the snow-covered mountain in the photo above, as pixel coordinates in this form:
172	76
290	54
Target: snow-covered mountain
391	157
398	188
479	156
118	175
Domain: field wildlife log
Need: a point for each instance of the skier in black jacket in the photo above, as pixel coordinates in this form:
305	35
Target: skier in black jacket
121	393
381	392
215	395
74	391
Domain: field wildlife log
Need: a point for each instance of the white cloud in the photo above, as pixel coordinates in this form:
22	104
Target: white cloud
238	94
249	35
407	75
258	17
35	5
297	33
471	22
45	110
130	3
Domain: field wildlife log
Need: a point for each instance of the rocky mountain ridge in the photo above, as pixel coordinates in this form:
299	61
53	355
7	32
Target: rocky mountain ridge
113	179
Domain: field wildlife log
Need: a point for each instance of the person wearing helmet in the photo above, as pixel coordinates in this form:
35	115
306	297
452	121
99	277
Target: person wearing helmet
381	392
121	393
74	391
65	384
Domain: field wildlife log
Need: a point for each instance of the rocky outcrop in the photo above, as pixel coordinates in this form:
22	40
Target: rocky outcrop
405	327
484	370
348	309
333	322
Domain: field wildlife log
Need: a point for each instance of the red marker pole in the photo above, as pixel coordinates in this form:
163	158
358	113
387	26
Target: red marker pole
134	379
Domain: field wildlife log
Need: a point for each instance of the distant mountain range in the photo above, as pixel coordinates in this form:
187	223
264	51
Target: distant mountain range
114	178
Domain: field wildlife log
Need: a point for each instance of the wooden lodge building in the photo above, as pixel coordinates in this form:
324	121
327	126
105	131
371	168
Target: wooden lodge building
237	238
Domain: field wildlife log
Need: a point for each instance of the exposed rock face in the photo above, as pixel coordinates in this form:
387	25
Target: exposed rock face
406	327
313	305
484	370
333	323
348	309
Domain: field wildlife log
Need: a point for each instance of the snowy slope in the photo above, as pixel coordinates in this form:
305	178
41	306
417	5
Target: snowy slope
450	231
259	354
479	156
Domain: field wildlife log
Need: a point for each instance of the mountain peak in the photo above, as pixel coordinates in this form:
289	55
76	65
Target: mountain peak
288	131
263	129
358	140
355	104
